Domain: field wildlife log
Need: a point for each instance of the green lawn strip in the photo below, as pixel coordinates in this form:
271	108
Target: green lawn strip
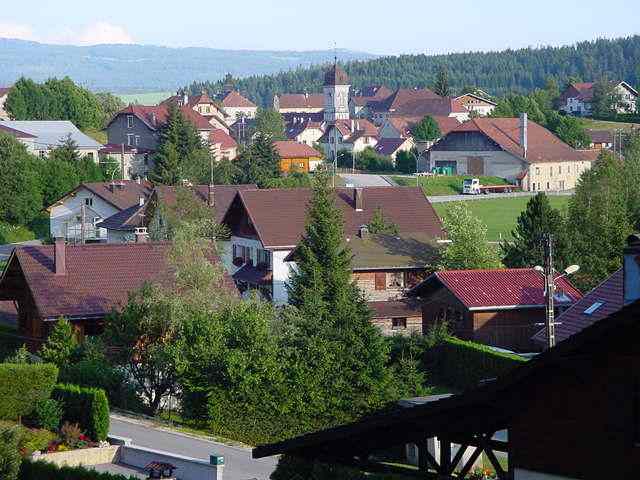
15	233
500	214
594	124
445	185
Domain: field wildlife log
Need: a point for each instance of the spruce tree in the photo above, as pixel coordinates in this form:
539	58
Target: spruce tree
526	248
259	163
61	344
441	87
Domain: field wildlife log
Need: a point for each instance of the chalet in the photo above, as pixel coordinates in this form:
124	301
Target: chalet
297	157
77	215
298	103
577	98
352	135
134	162
42	136
266	226
83	283
236	106
4	93
139	126
222	145
600	139
416	103
477	104
518	150
501	307
572	412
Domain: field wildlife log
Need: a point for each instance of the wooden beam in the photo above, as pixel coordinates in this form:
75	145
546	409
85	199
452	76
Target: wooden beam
467	466
425	458
458	457
445	455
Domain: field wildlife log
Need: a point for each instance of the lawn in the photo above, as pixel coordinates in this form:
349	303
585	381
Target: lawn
37	228
606	125
99	136
500	214
444	185
149	98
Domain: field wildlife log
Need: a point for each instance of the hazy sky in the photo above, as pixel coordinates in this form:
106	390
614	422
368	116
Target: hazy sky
385	27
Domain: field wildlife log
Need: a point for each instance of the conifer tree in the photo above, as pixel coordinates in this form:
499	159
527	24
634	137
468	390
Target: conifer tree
441	87
61	344
259	163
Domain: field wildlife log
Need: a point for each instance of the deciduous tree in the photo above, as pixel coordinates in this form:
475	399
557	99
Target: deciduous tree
427	130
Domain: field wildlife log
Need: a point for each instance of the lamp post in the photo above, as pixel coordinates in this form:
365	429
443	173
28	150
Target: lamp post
548	273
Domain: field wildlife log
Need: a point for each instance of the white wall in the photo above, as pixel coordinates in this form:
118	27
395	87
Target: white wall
227	259
118	236
187	468
496	163
521	474
71	208
281	273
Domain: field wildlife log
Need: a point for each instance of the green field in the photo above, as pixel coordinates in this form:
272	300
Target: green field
606	125
444	185
500	214
149	98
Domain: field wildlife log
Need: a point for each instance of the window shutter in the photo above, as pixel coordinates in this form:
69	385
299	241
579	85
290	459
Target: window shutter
381	281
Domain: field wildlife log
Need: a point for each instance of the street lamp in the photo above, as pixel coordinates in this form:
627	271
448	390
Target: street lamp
550	278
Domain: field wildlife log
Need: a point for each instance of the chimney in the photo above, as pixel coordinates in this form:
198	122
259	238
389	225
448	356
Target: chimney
632	269
211	200
363	231
358	199
524	143
141	200
59	262
142	236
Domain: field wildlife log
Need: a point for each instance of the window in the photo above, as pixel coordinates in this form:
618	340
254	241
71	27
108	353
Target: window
398	323
42	153
381	281
90	155
395	280
129	121
533	186
595	306
547	185
130	138
88	202
551	171
559	169
537	170
264	258
137	139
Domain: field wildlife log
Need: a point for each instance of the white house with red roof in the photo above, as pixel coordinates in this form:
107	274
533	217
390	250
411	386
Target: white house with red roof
237	106
577	98
298	103
4	93
202	104
223	145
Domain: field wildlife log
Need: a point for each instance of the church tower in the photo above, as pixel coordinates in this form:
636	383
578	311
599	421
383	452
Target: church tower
336	94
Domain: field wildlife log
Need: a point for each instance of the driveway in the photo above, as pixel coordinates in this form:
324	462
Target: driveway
238	462
365	180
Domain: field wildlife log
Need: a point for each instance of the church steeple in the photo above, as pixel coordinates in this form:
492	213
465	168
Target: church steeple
336	94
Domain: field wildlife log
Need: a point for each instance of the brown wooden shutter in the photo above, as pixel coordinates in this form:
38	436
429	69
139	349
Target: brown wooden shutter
381	281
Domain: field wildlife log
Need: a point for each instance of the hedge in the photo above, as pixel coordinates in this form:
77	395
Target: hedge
87	407
22	386
462	364
30	470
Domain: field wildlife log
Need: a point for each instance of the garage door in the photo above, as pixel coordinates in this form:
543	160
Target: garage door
475	165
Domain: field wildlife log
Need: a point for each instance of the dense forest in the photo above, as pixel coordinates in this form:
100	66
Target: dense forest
497	73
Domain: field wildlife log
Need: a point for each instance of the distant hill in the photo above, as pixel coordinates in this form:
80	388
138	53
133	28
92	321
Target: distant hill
142	68
495	72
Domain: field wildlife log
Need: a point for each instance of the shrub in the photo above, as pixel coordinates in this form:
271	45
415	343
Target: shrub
88	407
47	414
9	455
61	344
35	440
70	434
34	470
462	364
22	386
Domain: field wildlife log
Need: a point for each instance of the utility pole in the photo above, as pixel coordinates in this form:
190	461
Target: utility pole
82	225
549	288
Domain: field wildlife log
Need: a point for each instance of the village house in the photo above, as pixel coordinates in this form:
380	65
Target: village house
390	147
577	98
4	93
297	157
305	128
82	283
222	145
571	412
600	139
42	136
133	162
77	215
266	226
499	307
397	126
518	150
203	105
477	104
237	106
352	135
298	103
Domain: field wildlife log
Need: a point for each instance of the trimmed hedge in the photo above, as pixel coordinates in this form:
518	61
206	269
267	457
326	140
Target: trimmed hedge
22	386
462	364
88	407
30	470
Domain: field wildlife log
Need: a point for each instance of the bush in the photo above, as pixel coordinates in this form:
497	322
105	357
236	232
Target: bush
9	454
22	386
35	440
30	470
47	414
88	407
61	344
461	364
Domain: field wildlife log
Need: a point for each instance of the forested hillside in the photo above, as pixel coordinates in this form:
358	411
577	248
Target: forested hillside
495	72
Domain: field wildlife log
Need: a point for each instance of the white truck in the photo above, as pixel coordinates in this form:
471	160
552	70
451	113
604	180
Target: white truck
472	186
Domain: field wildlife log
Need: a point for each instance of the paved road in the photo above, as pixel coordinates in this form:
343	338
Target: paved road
7	248
238	462
365	180
462	198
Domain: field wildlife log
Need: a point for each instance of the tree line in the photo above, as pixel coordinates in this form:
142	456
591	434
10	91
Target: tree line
497	73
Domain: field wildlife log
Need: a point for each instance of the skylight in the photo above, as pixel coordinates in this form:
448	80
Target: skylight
593	308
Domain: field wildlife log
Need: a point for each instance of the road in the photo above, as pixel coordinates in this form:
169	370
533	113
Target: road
6	249
365	180
238	462
462	198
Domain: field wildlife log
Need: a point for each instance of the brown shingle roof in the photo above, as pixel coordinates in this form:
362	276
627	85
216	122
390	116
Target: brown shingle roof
121	193
235	99
98	277
543	146
600	136
301	100
609	294
401	97
407	307
155	116
291	149
404	124
222	138
278	215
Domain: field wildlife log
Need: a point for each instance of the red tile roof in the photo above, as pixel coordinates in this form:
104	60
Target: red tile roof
222	138
404	124
301	100
155	116
511	287
582	91
278	215
291	149
422	102
371	93
234	99
543	146
352	129
600	136
609	293
98	277
121	193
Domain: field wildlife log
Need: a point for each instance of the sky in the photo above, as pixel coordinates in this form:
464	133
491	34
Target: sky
382	27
